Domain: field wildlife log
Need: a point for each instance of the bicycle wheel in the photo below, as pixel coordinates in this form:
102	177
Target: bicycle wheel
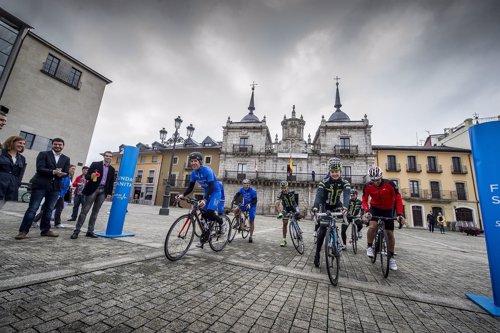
246	228
332	257
26	197
296	236
219	234
354	237
384	254
179	237
235	227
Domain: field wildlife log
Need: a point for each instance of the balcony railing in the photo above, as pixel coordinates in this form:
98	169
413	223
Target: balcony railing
315	149
243	149
150	179
434	169
278	176
393	167
138	179
342	150
459	169
413	168
441	195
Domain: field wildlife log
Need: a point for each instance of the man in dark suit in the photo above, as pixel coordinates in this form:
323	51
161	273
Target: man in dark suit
99	187
51	166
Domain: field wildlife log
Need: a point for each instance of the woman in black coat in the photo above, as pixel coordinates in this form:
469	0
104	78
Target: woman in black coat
12	166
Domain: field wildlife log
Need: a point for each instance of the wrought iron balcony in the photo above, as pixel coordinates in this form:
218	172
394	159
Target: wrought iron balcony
278	176
150	179
242	149
459	169
342	150
393	167
413	168
434	169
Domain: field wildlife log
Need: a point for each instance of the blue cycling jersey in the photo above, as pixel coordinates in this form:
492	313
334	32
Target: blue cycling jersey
249	197
203	176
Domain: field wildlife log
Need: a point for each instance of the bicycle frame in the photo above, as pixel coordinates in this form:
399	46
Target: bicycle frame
332	248
380	244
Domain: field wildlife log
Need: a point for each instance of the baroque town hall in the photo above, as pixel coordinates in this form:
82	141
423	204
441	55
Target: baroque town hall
248	151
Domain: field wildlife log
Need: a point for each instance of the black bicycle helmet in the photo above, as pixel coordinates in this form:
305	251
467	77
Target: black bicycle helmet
283	184
196	156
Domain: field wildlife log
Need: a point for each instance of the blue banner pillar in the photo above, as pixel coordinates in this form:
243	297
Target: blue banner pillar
121	195
487	165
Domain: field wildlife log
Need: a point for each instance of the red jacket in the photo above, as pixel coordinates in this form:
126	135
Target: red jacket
75	184
386	196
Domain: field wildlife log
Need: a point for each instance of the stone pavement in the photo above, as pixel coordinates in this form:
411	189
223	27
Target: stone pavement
126	284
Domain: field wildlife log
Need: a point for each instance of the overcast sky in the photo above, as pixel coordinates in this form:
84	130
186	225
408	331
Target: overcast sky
411	66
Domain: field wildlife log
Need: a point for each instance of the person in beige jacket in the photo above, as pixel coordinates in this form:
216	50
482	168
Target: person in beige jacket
441	220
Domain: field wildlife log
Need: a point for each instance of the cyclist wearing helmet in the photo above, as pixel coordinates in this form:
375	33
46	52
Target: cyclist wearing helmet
205	176
288	205
328	198
354	212
380	198
246	200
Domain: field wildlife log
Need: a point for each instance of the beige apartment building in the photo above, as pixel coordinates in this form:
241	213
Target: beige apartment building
432	179
153	166
48	92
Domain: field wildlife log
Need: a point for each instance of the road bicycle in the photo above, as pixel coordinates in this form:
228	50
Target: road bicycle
333	244
380	244
354	233
295	232
181	233
240	223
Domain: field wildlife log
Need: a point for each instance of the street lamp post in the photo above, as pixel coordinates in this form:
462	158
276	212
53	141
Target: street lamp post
164	210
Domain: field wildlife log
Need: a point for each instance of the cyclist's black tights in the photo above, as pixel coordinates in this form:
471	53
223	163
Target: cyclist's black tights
344	229
211	216
320	237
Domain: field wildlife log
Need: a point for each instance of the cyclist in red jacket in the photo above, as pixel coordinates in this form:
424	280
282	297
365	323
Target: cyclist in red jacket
380	198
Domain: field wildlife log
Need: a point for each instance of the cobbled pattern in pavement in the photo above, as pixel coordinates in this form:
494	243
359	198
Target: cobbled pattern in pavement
126	284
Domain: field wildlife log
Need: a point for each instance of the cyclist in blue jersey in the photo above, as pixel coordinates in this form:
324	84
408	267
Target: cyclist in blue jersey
205	176
246	199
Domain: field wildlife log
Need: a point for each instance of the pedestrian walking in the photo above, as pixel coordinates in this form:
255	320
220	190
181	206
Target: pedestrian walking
431	222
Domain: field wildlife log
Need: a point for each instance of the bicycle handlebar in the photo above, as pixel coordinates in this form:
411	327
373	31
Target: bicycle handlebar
384	218
189	200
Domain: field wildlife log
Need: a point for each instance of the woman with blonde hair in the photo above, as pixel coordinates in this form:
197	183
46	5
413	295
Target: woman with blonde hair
12	166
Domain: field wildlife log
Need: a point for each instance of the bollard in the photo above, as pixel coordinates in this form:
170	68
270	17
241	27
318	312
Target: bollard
487	166
121	195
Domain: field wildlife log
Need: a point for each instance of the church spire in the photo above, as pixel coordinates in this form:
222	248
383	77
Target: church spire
338	115
251	107
337	105
250	117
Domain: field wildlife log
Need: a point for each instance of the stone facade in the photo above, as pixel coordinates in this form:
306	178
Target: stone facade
249	152
44	106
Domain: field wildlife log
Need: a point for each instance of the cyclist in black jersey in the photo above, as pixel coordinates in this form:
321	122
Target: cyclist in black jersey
328	198
354	213
288	204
